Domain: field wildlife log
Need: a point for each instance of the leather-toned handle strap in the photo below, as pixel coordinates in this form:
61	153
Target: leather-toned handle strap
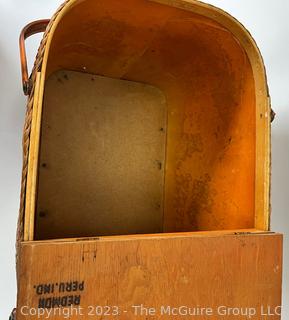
32	28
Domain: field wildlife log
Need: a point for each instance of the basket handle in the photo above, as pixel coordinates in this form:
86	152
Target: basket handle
30	29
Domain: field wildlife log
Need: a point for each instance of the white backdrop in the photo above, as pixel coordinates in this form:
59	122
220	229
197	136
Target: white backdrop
268	21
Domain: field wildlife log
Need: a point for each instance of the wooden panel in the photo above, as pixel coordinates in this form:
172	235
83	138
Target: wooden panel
32	174
207	271
102	157
209	84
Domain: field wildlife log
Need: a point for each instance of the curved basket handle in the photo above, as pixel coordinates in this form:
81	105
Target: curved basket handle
30	29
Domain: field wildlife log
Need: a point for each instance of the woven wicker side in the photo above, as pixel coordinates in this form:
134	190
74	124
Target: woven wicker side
27	130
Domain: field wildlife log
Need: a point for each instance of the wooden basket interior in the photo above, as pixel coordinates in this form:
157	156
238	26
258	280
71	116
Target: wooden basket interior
149	124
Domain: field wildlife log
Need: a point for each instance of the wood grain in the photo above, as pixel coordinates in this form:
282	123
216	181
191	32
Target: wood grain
209	84
217	166
32	175
225	270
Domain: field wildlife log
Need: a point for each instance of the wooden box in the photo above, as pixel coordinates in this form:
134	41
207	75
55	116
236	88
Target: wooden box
146	173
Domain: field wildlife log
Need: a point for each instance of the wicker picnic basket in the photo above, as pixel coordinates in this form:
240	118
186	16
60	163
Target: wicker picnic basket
147	137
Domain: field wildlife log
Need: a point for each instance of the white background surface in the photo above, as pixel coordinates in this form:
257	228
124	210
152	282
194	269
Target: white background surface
268	22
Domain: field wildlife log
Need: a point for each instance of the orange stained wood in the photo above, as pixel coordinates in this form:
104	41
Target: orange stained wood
211	73
223	270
